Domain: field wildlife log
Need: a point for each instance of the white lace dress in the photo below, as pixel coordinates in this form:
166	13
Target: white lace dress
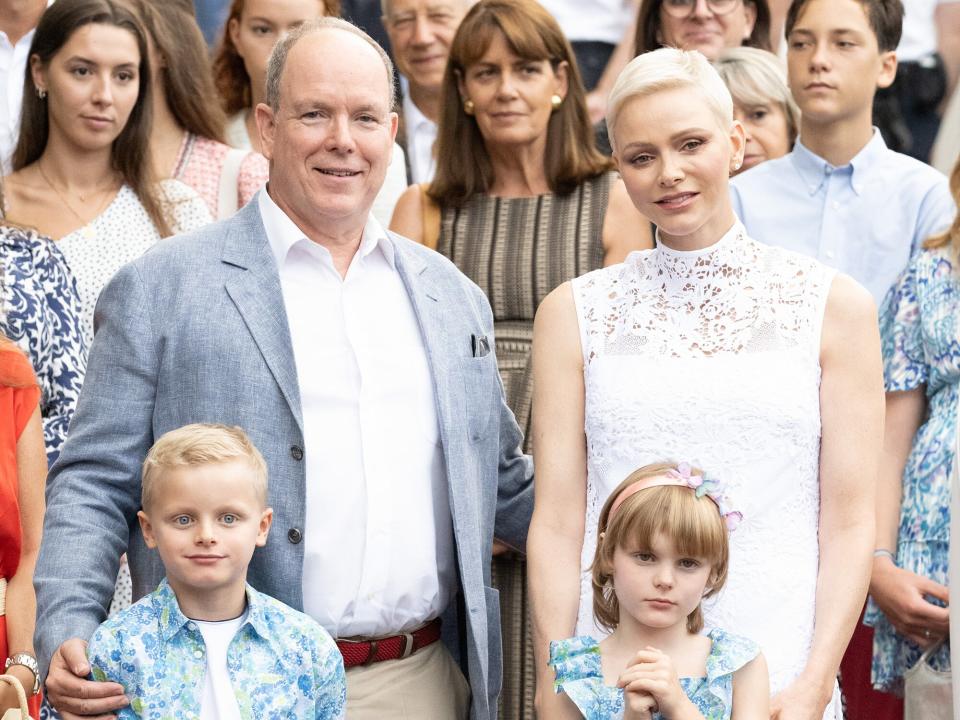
712	356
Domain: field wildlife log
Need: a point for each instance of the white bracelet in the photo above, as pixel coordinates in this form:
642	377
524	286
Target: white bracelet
883	552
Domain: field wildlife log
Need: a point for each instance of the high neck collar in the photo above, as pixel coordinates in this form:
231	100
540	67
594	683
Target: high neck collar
725	241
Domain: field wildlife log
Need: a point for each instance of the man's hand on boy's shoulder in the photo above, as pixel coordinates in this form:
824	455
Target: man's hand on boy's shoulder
72	694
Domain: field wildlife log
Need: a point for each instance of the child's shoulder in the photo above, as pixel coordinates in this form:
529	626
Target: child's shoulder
142	616
729	652
285	622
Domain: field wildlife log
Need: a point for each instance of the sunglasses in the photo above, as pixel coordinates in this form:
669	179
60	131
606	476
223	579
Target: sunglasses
685	8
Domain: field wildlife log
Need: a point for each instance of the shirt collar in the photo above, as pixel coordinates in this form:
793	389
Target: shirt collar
414	119
814	170
172	620
283	234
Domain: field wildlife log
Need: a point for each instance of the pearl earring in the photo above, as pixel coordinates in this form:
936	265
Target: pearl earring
469	107
41	93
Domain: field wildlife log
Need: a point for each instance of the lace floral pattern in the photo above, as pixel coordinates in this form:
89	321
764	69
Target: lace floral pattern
577	664
712	356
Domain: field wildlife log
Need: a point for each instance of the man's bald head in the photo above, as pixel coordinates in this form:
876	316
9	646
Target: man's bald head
278	58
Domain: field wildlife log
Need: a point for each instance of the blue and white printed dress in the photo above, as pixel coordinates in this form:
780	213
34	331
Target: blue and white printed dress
576	662
921	347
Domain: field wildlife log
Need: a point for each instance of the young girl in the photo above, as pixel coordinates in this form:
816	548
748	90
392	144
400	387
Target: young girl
662	547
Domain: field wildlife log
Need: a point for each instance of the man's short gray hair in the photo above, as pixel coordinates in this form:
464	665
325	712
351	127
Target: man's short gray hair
278	57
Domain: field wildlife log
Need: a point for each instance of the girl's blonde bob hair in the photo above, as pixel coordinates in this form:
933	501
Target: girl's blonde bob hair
668	69
693	524
757	77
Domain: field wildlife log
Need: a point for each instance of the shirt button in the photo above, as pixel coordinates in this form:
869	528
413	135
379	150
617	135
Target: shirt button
296	452
197	654
829	171
191	626
294	535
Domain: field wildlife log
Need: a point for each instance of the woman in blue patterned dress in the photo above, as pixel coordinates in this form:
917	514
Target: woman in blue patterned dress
921	355
39	310
662	547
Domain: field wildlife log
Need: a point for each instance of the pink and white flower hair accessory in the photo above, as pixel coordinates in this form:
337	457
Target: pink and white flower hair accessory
684	475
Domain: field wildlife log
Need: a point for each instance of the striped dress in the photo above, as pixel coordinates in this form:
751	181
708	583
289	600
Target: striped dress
518	250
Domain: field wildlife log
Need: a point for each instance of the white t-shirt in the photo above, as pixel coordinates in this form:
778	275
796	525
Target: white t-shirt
919	31
219	700
593	20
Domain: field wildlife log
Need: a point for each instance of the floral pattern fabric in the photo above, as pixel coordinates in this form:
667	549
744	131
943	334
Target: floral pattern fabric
40	311
282	664
921	347
576	662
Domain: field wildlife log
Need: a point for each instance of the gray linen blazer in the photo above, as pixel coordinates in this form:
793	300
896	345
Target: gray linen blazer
196	331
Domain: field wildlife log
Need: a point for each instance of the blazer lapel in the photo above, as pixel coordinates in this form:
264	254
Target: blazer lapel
427	299
255	290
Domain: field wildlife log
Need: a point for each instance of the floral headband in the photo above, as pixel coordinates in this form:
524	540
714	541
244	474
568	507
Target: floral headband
683	476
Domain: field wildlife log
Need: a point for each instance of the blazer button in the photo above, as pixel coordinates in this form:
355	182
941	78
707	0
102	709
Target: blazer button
296	452
294	535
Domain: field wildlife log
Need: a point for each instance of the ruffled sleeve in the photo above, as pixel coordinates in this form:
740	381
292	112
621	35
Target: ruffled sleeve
904	362
728	654
576	662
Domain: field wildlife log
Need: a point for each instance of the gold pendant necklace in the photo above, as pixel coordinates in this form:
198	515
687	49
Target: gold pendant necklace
87	230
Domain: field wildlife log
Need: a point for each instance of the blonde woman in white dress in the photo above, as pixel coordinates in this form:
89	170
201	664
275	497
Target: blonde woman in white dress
715	349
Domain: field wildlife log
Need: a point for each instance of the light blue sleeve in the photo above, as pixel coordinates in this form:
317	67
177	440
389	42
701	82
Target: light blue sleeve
104	655
937	211
736	201
329	676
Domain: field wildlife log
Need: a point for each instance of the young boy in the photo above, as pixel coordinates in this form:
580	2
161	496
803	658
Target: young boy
841	196
205	644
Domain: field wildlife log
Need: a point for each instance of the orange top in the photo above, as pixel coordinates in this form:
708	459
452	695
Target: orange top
19	395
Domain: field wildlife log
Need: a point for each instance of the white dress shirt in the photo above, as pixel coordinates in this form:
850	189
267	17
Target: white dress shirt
919	37
379	554
592	20
421	135
13	66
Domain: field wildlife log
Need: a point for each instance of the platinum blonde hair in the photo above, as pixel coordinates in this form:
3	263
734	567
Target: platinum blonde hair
278	57
668	69
757	77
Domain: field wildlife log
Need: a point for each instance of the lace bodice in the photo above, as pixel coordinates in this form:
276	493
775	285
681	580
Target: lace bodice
712	356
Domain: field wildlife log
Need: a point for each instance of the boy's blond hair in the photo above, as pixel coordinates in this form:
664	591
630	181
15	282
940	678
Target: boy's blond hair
201	444
693	524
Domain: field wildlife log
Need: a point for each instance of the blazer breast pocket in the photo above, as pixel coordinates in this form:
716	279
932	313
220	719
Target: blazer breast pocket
481	388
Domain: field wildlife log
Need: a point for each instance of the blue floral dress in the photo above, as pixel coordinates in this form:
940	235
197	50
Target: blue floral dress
576	662
921	347
40	311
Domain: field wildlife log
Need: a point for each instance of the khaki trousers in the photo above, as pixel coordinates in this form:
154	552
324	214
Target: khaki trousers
428	685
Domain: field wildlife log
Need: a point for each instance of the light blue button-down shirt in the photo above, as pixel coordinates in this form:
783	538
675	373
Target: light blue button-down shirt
282	664
866	219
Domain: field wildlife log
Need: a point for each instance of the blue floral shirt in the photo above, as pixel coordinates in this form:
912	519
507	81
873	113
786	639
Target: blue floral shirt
282	664
576	662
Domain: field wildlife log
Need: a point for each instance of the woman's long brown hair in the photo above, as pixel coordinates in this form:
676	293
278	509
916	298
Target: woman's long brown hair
463	163
187	80
130	154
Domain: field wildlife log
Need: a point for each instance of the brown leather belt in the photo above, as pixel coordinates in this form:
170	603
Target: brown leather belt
364	651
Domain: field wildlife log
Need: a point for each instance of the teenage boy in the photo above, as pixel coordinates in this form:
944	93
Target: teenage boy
842	196
205	644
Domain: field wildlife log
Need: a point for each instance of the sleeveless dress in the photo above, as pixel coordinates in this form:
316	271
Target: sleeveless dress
19	396
712	356
919	329
517	250
577	664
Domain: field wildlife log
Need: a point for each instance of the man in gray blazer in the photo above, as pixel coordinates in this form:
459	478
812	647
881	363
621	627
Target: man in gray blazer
359	363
